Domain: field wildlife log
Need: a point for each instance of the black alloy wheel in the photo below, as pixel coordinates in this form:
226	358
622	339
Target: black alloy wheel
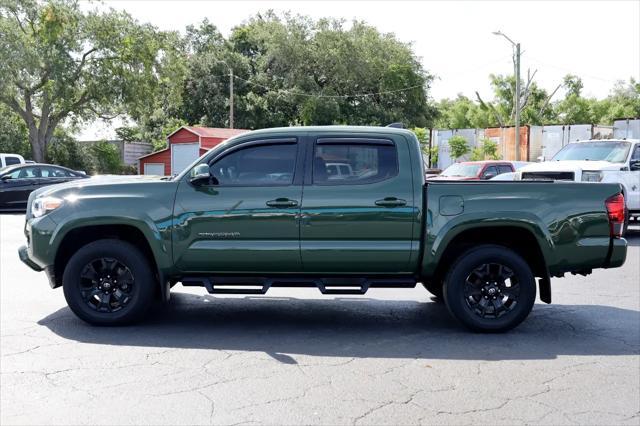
490	288
106	284
109	282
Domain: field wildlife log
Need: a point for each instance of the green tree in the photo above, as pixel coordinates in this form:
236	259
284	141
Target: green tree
490	149
459	147
13	133
294	70
433	154
623	101
59	63
65	151
155	129
422	134
534	101
486	150
107	158
574	108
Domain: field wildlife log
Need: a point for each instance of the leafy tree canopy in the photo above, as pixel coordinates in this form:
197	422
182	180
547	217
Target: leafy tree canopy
538	107
59	63
293	70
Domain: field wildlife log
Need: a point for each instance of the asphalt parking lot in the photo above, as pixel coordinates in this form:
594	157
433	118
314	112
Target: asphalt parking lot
296	357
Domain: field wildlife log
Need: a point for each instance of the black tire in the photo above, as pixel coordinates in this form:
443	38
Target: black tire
478	295
435	288
86	293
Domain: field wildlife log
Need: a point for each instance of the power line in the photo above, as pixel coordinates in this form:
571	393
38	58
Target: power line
310	95
581	75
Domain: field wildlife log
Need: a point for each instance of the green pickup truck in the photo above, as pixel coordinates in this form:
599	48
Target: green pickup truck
343	209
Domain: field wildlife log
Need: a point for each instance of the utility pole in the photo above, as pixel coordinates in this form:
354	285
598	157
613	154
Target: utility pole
516	97
230	92
230	98
516	100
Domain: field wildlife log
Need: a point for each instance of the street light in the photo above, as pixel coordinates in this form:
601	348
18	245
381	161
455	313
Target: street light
230	92
517	94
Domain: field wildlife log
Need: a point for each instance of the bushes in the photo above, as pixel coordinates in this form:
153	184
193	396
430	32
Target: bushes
106	158
458	147
95	158
13	134
487	150
65	151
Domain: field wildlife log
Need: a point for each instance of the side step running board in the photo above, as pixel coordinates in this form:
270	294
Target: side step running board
326	285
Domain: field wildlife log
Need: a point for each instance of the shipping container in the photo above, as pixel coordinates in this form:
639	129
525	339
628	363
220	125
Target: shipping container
626	128
505	137
135	150
555	137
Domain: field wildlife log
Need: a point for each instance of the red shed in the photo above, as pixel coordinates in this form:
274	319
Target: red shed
183	147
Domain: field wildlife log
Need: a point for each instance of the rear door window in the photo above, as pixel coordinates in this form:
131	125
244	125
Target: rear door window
11	160
504	169
351	163
55	172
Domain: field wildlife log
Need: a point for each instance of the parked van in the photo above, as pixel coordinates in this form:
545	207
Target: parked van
10	159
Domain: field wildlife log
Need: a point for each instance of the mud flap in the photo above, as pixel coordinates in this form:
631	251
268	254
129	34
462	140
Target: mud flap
545	289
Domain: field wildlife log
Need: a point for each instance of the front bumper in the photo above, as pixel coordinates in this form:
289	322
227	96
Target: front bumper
618	253
23	252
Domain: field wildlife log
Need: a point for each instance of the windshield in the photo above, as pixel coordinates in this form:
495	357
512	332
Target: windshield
615	152
5	169
464	170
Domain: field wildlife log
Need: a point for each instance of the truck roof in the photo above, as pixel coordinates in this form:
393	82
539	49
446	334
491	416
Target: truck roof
337	129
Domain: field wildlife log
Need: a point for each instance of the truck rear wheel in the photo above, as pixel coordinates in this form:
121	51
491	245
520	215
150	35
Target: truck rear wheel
108	282
490	288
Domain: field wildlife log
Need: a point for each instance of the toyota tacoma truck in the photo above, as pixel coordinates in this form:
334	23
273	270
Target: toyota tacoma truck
262	210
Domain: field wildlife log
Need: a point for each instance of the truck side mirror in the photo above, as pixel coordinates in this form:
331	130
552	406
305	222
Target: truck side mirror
634	165
201	175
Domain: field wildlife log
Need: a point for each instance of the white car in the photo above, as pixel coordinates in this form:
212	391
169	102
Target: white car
610	161
505	176
339	171
10	160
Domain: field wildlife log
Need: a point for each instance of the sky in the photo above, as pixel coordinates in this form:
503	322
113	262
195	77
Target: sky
598	41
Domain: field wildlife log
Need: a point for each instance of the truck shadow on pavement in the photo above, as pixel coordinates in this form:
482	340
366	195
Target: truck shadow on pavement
362	328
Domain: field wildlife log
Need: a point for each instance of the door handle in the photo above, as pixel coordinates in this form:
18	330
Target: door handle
282	202
391	202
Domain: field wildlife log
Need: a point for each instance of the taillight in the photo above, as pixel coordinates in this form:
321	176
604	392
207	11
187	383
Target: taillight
617	212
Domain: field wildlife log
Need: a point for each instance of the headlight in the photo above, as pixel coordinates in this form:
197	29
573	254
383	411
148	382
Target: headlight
44	205
592	176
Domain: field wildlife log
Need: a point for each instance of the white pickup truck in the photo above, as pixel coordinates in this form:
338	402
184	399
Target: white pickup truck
611	161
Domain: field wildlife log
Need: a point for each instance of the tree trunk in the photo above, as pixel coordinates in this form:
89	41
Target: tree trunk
38	145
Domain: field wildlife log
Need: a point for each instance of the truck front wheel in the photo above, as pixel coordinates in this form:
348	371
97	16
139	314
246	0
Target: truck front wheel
490	288
108	282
